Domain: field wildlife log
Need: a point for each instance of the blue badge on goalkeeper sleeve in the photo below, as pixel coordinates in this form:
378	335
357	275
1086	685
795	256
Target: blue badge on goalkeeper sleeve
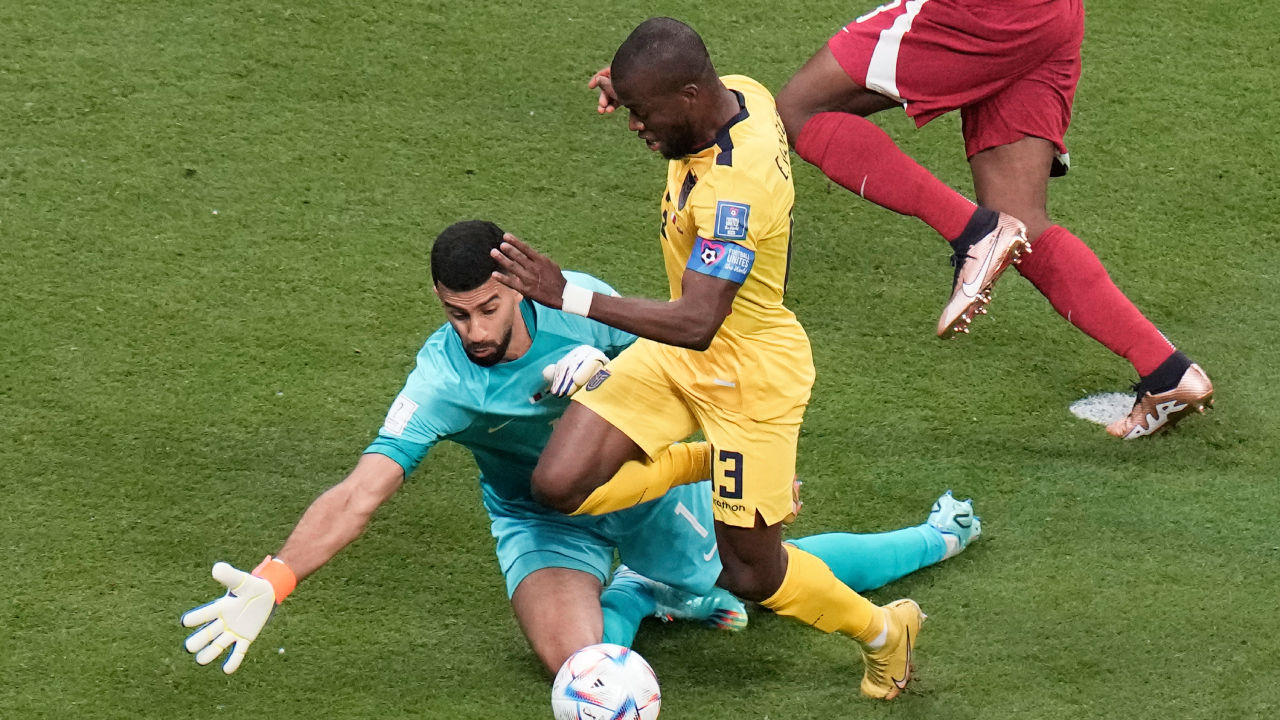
724	260
731	220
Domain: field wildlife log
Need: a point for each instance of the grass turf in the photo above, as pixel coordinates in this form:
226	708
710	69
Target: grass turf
213	226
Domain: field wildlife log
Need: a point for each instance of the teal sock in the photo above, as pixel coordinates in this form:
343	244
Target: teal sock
866	562
625	602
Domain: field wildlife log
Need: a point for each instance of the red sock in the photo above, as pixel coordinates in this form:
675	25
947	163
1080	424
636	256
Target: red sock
854	152
1068	273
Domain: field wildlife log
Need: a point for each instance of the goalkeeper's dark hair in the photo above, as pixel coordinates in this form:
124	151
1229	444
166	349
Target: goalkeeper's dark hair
664	49
460	259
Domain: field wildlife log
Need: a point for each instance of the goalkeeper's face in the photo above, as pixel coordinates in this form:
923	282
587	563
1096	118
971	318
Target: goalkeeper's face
484	318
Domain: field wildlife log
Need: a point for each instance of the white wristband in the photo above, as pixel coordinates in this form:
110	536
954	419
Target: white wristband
577	299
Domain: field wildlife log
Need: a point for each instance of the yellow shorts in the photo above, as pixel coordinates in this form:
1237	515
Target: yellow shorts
752	464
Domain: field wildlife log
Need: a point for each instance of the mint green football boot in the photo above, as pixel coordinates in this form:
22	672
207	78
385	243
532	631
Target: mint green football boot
717	609
956	521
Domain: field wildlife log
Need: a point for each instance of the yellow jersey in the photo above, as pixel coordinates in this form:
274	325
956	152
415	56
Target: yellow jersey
726	213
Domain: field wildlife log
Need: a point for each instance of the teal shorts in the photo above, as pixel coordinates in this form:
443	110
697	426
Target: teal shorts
671	539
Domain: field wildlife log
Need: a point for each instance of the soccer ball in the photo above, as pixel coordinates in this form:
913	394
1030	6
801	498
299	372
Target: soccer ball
605	682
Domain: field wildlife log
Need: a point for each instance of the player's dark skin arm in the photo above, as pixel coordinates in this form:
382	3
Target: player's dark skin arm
690	322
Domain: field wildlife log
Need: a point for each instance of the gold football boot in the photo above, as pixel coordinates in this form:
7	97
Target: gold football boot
887	669
977	270
1156	412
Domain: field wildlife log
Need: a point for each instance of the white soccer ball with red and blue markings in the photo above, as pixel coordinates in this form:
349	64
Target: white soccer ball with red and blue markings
605	682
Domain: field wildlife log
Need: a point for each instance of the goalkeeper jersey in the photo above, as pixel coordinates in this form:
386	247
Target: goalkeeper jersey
500	413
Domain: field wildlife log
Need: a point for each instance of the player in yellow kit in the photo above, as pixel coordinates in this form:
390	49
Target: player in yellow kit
724	355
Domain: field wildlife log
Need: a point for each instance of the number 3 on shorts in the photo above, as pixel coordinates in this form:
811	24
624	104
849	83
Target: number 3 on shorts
731	473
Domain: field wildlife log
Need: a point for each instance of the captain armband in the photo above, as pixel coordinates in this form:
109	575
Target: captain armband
719	259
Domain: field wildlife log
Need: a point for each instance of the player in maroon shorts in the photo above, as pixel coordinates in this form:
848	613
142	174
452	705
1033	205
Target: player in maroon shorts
1011	68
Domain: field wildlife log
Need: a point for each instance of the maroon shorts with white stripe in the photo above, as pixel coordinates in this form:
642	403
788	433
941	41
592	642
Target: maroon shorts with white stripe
1010	66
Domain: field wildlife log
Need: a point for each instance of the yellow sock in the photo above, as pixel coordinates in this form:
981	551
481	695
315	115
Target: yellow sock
636	482
811	594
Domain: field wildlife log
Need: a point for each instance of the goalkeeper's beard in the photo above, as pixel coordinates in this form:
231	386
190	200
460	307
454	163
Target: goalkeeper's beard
499	351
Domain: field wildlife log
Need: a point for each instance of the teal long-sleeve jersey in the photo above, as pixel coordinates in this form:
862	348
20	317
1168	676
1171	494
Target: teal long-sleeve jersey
500	413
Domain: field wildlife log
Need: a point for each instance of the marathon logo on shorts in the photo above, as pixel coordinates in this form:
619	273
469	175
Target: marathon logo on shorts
731	220
728	506
597	380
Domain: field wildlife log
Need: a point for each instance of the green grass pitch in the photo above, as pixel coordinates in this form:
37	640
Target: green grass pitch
213	226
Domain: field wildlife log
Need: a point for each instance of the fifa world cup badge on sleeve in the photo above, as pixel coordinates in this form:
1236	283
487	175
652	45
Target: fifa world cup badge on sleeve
731	220
399	415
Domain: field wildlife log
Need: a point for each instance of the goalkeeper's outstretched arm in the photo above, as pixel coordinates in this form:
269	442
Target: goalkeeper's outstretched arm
341	514
335	519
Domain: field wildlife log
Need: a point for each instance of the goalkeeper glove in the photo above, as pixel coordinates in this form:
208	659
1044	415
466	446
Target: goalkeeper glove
237	617
574	370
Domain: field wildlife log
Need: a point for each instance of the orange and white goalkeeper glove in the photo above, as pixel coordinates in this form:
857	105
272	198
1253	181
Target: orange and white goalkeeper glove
574	370
237	617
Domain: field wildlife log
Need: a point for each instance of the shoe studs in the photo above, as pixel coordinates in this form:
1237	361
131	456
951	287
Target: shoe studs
1019	249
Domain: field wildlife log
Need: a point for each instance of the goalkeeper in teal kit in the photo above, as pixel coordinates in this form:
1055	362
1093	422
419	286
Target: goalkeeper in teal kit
495	379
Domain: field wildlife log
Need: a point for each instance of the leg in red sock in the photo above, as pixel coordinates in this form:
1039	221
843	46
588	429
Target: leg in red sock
1014	179
1067	272
857	154
823	109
